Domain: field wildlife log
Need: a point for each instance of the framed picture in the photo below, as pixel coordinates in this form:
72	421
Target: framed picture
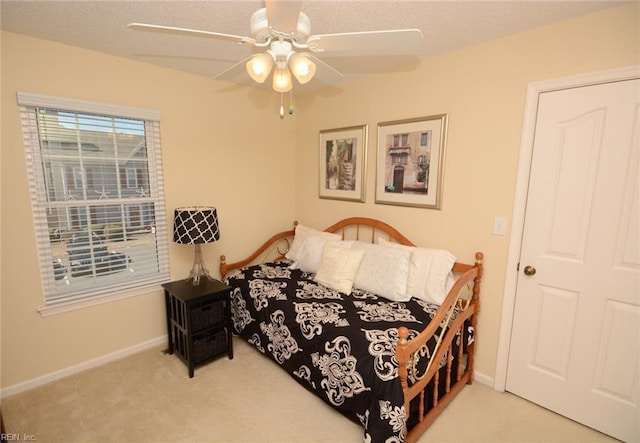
343	163
410	161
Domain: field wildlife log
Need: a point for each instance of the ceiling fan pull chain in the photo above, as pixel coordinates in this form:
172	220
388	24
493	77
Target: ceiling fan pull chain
281	106
291	102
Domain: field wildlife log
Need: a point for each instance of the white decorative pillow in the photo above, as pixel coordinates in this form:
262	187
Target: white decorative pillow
384	271
310	253
428	271
465	292
303	233
338	268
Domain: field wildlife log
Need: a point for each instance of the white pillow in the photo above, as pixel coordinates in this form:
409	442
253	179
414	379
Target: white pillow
452	278
304	232
384	270
428	271
338	268
310	253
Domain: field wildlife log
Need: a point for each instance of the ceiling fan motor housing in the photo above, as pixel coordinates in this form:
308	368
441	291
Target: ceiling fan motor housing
262	32
281	51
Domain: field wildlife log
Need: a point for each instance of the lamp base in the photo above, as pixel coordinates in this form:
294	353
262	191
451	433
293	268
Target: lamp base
199	269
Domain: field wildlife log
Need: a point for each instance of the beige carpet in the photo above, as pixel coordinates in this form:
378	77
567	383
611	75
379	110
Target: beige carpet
149	397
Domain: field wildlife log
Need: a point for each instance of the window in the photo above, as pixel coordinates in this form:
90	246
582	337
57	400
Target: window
78	181
95	175
132	178
400	139
424	139
400	159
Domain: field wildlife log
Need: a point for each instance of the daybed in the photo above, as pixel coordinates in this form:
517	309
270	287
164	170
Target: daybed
388	345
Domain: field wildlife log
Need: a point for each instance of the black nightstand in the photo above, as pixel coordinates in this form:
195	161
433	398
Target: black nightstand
198	320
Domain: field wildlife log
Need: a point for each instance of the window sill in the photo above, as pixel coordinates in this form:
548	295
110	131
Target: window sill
61	308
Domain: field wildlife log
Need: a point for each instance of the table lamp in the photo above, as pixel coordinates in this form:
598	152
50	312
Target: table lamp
196	225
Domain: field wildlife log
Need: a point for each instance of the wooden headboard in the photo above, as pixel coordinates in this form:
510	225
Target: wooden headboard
353	228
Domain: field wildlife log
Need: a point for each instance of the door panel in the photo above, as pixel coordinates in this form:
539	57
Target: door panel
615	373
578	149
575	345
554	333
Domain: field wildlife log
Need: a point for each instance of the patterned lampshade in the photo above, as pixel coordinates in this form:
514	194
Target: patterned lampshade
195	225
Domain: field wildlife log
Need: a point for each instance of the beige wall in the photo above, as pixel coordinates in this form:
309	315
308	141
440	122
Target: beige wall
230	149
227	149
483	89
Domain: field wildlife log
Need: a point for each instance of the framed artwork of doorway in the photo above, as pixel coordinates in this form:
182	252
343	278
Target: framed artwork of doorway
410	161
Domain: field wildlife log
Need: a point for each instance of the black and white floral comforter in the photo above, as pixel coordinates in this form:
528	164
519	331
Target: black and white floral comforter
342	347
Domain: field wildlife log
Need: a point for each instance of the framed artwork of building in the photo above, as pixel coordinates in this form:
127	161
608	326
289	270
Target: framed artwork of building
410	161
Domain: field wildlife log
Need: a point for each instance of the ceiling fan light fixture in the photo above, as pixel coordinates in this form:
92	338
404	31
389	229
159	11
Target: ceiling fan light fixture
302	67
282	80
280	29
259	67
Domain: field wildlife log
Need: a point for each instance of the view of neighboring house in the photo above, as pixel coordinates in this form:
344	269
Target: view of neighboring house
97	183
88	165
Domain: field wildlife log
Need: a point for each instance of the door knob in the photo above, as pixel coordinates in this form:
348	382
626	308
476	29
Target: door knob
529	270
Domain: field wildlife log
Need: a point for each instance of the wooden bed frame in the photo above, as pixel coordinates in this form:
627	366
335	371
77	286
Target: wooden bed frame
407	351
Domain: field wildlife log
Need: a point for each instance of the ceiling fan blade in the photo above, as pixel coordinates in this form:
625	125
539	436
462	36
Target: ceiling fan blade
355	65
397	41
237	73
232	70
190	32
325	72
283	15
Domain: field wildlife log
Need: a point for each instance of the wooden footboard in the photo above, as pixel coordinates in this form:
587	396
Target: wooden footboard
407	351
460	336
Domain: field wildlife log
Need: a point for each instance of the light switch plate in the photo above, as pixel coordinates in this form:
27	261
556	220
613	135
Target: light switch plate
499	226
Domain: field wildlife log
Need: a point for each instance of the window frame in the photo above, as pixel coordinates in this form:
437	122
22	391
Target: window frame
119	288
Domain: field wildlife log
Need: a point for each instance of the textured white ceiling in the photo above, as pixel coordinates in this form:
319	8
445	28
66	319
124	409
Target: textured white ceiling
446	26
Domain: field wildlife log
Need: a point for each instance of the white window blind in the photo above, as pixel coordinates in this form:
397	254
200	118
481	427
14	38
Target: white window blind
95	178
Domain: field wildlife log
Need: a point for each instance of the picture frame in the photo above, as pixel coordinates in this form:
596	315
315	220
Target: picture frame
343	159
410	161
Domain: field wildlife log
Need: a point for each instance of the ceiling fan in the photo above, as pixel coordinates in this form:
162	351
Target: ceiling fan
281	36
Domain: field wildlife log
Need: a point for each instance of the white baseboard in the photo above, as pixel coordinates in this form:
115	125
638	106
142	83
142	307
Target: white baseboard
484	379
57	375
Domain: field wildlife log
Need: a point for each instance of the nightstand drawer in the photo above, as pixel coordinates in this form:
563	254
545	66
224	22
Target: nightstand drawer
206	346
207	314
